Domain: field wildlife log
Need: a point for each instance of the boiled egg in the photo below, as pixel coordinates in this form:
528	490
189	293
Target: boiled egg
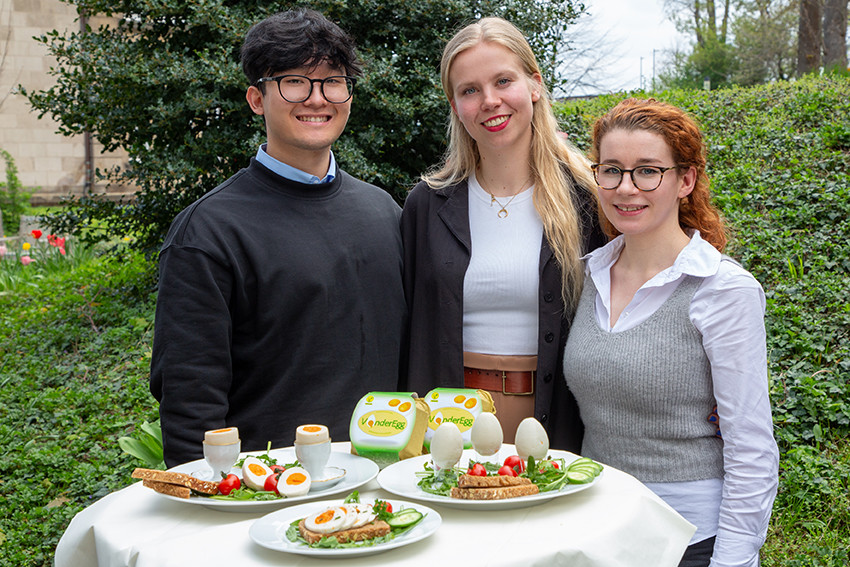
531	439
254	473
363	514
446	445
327	521
311	434
486	434
294	482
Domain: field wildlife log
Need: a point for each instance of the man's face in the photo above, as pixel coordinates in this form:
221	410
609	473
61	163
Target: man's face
300	133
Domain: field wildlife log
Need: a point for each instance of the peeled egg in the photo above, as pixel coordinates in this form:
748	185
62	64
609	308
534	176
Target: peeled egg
446	445
294	482
254	473
486	434
531	439
327	521
364	514
311	434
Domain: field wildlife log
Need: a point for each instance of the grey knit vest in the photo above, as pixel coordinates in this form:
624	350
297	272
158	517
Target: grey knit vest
645	393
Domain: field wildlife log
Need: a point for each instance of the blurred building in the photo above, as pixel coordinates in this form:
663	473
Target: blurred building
50	165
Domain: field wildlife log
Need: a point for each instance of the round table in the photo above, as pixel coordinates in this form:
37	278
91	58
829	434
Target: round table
615	522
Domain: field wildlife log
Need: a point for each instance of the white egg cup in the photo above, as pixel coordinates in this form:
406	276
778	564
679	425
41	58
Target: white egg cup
221	458
314	457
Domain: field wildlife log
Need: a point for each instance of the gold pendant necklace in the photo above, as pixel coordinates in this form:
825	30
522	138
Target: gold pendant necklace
503	209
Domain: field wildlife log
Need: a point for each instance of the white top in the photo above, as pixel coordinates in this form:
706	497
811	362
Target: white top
728	309
501	286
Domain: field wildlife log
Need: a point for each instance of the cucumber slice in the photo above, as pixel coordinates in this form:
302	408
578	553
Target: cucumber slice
585	464
586	467
580	477
404	518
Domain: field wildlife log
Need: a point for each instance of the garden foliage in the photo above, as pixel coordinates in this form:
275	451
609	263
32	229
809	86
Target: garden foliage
74	346
779	160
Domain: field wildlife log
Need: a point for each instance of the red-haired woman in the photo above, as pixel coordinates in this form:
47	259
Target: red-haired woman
667	329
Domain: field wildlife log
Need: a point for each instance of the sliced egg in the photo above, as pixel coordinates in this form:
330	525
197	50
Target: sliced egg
254	473
364	514
486	434
531	439
327	521
350	516
446	445
294	482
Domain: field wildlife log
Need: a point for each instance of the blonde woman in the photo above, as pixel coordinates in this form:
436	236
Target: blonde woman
493	238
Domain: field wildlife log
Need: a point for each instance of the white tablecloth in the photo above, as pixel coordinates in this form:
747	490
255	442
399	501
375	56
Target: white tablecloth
617	522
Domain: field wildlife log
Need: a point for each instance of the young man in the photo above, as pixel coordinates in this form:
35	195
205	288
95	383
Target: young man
280	297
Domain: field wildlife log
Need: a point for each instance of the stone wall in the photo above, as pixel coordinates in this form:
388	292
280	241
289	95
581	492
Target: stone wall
50	166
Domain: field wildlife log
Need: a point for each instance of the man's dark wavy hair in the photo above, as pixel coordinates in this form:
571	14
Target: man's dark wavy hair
296	38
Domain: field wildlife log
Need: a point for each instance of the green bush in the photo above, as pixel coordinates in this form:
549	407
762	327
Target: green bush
14	201
779	161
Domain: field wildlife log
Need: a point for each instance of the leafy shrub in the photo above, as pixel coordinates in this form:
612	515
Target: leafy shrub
778	160
14	201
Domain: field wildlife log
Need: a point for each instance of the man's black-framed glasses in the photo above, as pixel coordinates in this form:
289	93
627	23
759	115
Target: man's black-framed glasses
644	177
298	88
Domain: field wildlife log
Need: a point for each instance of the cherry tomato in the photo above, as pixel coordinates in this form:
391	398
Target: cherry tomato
230	483
381	504
477	470
277	468
507	471
270	485
516	463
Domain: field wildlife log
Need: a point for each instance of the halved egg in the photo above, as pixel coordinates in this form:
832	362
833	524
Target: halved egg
254	473
294	482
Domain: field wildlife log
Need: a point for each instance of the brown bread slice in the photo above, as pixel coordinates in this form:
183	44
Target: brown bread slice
494	493
180	479
472	481
371	530
170	489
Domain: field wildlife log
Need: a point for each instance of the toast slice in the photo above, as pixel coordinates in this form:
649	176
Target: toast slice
495	492
176	478
169	489
472	481
371	530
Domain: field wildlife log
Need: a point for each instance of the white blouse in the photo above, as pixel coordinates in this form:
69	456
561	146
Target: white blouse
728	309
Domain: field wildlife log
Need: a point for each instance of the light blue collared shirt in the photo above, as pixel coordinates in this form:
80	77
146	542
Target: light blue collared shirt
292	173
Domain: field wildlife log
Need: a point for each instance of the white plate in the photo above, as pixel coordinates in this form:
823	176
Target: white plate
400	479
270	530
331	477
357	472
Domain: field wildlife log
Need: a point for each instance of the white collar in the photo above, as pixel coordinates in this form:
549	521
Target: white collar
697	258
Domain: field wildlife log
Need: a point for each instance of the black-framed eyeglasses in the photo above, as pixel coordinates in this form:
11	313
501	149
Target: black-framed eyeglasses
644	177
298	88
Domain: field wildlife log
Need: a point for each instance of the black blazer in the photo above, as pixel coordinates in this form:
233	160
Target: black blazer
437	245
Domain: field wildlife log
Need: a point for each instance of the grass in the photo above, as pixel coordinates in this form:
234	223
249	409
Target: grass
75	343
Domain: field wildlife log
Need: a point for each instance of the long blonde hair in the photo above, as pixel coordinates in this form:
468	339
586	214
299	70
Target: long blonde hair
558	169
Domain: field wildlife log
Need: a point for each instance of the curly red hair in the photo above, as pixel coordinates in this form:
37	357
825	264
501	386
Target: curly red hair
683	136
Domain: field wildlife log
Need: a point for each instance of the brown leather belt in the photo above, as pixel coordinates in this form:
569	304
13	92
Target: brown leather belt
505	381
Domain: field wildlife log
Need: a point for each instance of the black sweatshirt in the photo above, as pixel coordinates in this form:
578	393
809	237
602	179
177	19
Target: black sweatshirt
279	304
